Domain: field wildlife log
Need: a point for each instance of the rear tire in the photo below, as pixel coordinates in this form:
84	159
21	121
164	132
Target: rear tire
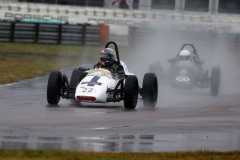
131	92
150	90
54	87
76	77
215	80
157	69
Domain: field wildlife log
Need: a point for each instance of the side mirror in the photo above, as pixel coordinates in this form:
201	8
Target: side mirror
170	60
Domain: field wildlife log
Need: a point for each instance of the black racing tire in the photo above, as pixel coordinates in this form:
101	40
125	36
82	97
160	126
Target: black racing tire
54	87
157	69
76	77
150	90
131	92
215	80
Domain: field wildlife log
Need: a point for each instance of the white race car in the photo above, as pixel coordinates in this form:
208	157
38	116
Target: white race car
99	85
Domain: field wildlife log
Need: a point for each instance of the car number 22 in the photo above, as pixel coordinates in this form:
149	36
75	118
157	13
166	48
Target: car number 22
87	90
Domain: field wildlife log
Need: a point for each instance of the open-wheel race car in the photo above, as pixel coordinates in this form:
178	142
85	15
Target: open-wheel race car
186	71
99	85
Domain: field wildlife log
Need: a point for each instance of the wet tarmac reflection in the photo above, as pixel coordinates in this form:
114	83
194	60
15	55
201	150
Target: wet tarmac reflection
114	143
126	143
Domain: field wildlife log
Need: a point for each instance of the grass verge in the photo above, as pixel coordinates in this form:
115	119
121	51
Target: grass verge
70	155
49	49
31	60
14	69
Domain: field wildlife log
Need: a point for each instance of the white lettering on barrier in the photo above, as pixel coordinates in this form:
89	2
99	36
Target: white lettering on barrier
20	16
119	22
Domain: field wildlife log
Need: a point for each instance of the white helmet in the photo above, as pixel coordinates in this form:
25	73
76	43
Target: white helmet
184	55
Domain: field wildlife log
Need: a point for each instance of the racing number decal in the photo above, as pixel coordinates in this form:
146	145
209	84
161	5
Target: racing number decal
87	90
90	89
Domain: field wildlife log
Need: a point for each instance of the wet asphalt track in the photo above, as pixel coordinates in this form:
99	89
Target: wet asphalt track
181	121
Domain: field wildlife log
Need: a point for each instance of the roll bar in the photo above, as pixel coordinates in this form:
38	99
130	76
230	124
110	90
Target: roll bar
116	49
191	45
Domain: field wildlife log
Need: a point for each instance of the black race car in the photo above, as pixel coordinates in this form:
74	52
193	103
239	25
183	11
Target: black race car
186	71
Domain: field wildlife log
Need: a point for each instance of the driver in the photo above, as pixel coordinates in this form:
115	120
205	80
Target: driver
107	61
184	55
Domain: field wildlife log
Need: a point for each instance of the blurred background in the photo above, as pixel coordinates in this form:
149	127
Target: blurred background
127	16
153	29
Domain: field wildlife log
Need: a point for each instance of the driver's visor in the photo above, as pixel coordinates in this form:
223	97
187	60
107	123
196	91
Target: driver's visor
104	56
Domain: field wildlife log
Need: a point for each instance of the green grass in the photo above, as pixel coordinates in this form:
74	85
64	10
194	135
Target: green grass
14	69
75	155
49	49
27	60
52	49
24	60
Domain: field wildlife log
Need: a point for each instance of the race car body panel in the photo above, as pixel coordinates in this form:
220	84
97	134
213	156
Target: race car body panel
125	68
182	76
93	88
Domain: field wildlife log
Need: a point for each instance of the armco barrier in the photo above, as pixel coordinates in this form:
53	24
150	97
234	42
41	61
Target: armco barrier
76	14
51	33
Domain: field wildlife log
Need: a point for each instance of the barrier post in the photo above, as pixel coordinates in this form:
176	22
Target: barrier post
37	33
83	33
12	32
59	33
103	33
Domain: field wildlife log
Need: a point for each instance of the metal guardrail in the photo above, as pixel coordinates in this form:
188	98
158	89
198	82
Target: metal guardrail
108	12
123	17
49	33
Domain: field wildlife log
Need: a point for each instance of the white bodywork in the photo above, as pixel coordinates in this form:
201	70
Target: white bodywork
125	68
93	88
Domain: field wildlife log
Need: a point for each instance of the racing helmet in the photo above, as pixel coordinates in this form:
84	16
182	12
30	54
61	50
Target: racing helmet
107	56
184	55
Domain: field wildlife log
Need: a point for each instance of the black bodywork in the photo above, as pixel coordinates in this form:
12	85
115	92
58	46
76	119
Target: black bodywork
188	74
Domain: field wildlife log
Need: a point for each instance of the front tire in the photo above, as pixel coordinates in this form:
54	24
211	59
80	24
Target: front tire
215	80
131	92
54	87
150	90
